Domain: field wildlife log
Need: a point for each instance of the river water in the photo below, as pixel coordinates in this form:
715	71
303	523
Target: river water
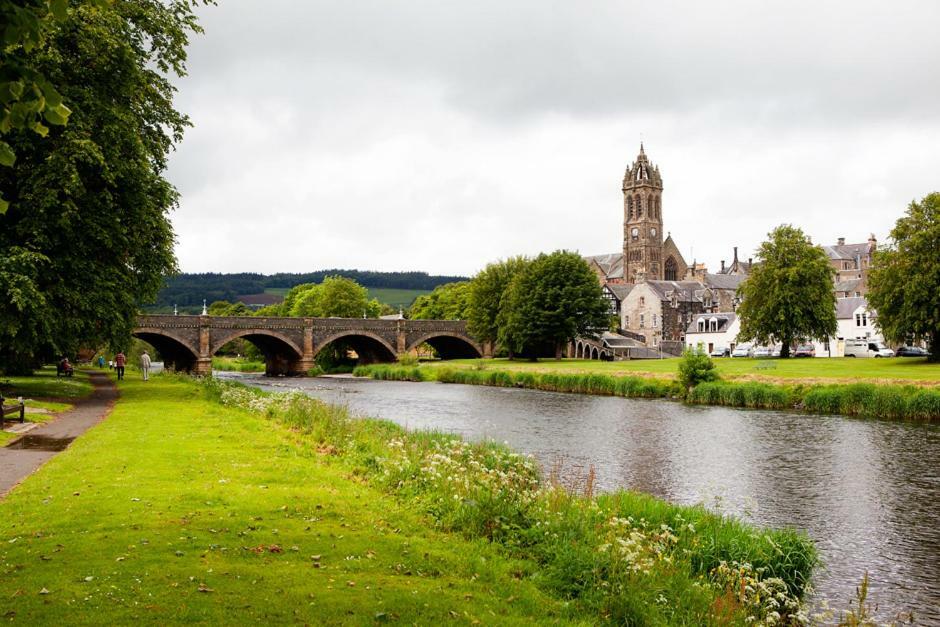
867	492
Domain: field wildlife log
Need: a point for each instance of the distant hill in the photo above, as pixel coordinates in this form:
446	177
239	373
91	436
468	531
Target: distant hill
187	291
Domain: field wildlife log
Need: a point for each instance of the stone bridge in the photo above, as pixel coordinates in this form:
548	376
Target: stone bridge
290	345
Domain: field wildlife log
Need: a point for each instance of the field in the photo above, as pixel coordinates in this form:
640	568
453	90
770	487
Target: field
180	508
390	296
836	370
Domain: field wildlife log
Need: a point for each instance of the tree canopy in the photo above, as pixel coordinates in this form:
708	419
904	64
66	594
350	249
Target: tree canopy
788	296
87	236
336	297
904	282
447	302
551	301
486	300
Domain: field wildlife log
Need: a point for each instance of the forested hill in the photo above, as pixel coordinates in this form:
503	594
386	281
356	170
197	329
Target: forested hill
189	290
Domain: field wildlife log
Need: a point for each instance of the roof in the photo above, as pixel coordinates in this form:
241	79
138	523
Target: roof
851	285
845	307
611	264
620	290
614	340
688	291
725	320
846	251
723	281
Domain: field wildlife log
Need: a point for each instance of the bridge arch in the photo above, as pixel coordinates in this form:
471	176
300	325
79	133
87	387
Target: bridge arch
369	347
281	354
177	354
448	344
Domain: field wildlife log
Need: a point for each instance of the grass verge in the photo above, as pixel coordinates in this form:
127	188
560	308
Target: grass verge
185	506
896	402
236	364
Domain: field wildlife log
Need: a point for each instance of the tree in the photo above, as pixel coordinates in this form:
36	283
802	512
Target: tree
904	282
225	308
336	297
487	292
789	295
696	367
549	303
447	302
88	223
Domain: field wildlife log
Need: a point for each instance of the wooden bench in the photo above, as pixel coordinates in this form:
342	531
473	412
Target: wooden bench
765	365
12	409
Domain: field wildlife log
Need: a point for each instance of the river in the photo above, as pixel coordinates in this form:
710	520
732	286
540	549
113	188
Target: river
867	491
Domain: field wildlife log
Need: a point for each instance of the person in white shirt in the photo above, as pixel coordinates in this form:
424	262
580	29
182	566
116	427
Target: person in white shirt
145	365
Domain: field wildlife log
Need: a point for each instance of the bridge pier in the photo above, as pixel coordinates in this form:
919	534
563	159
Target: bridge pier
203	366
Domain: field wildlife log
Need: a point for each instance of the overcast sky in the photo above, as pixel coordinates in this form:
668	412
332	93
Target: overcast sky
442	135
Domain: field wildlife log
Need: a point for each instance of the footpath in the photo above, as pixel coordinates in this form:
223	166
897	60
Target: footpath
24	456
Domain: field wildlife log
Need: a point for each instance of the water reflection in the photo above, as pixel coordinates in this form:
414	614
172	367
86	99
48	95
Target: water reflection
868	492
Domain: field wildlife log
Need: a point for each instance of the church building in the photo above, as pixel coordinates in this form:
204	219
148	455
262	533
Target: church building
646	256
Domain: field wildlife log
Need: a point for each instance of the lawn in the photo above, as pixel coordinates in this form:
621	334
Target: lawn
912	370
176	509
43	384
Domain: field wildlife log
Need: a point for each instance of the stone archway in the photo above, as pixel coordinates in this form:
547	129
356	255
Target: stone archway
281	355
369	347
448	345
176	354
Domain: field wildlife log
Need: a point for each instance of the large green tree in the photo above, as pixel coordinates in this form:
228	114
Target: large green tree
336	297
904	282
789	295
88	229
447	302
488	290
550	302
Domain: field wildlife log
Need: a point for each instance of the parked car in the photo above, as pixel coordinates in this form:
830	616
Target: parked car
741	350
912	351
805	350
762	351
866	348
719	351
776	350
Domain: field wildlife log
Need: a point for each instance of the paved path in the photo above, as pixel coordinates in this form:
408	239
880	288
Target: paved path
19	459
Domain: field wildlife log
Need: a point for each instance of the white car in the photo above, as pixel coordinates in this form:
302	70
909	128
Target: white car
762	351
866	348
741	350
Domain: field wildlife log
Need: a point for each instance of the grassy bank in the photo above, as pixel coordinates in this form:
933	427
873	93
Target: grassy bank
213	513
899	370
899	402
236	364
45	395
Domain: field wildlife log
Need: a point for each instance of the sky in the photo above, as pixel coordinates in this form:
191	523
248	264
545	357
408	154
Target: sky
440	136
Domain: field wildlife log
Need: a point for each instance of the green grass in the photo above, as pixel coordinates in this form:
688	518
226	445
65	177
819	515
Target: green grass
914	370
178	508
43	384
236	364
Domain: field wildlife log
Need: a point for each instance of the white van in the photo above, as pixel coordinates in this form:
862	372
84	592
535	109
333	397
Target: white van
866	348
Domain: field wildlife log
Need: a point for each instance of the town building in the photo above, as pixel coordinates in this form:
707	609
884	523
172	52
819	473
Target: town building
660	311
713	331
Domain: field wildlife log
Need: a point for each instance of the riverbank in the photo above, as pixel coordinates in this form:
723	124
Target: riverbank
45	394
897	371
327	519
898	402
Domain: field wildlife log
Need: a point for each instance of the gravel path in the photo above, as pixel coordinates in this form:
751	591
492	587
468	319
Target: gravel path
25	455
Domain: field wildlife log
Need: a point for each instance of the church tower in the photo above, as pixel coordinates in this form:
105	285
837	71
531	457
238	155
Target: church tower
642	222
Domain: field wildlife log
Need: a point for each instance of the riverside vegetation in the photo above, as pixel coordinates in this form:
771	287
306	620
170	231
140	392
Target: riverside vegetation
325	518
893	401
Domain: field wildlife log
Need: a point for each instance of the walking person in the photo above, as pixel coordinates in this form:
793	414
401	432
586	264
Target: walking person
119	361
145	365
100	361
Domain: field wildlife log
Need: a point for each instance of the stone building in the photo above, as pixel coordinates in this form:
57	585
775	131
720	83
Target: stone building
660	311
645	256
851	263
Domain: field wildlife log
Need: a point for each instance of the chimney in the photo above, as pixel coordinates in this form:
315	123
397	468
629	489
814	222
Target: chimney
750	261
722	266
841	241
735	254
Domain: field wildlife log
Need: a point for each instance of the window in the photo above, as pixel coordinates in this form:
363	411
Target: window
857	294
701	325
654	320
642	321
672	270
642	300
865	319
626	320
858	320
713	325
639	206
630	207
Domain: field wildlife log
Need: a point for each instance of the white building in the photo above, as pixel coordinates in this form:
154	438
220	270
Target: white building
713	330
855	321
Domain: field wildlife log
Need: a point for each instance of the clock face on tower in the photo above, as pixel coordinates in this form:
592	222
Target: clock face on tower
653	232
635	233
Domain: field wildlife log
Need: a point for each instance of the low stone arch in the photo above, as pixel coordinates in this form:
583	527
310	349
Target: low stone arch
176	352
252	335
448	344
375	349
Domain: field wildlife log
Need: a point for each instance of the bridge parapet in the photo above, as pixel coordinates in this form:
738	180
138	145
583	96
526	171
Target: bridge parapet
290	344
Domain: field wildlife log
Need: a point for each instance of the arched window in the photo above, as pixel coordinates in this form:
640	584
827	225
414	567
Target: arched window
639	207
671	269
629	207
659	208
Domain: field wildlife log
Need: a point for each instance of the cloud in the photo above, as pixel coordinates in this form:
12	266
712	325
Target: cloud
442	135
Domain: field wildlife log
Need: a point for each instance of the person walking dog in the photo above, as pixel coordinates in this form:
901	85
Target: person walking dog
119	361
145	365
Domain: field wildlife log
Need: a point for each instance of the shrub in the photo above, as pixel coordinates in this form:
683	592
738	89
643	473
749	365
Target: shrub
696	367
407	359
924	405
